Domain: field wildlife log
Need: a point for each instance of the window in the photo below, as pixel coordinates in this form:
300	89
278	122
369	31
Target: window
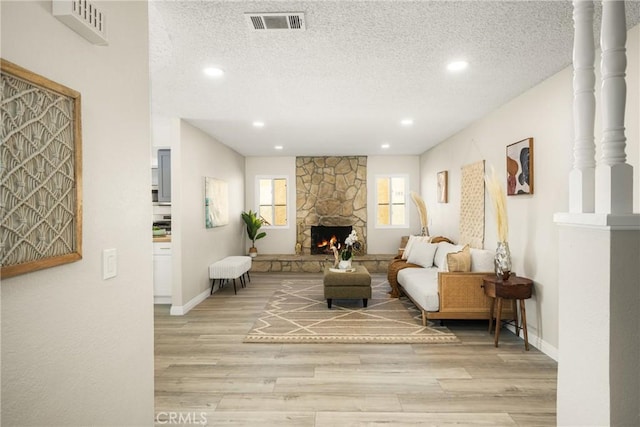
391	201
272	200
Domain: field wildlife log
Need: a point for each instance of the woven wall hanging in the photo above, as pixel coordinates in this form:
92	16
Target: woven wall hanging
41	166
472	205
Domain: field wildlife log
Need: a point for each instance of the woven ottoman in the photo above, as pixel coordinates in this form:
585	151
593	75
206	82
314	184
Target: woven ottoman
348	285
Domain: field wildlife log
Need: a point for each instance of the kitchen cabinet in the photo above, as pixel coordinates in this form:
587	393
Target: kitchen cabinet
162	272
164	176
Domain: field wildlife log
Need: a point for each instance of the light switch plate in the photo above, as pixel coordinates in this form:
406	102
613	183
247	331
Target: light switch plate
109	264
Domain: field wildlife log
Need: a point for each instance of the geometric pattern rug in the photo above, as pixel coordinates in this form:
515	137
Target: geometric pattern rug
298	313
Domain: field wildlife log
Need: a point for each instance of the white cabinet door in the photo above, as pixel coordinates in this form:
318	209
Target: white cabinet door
162	272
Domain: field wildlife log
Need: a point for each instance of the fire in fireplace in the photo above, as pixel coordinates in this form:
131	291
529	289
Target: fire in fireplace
322	237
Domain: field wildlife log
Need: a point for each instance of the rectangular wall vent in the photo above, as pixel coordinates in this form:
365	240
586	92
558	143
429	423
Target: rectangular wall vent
84	18
276	21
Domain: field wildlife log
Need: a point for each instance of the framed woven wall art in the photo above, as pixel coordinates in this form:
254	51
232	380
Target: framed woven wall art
41	183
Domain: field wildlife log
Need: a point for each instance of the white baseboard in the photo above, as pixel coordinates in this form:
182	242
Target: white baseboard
181	310
538	343
162	300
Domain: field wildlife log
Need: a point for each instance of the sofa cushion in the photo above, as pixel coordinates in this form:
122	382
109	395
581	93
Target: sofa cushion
482	260
422	285
422	254
412	240
459	261
444	248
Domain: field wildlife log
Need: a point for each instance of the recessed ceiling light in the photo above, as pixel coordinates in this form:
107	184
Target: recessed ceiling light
457	65
385	146
278	147
406	122
258	124
213	72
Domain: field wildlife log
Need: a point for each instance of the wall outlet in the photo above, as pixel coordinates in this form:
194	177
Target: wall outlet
109	264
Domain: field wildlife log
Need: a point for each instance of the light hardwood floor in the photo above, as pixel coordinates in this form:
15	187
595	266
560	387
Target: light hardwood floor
203	370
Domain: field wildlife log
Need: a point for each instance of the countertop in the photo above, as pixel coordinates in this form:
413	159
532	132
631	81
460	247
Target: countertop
162	239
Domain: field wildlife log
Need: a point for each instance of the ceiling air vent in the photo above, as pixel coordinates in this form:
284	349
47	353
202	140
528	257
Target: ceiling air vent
276	21
84	18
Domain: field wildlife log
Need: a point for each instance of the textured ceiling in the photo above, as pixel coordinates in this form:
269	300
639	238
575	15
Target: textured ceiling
342	86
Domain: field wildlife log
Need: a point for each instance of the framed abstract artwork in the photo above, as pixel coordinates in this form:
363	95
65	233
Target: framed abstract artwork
41	181
520	167
216	202
443	187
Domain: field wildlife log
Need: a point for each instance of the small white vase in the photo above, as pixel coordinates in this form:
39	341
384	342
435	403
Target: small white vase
344	264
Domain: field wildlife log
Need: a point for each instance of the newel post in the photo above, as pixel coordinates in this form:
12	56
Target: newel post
582	175
614	177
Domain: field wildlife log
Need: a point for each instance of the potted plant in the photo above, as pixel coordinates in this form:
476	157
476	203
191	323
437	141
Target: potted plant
253	223
344	255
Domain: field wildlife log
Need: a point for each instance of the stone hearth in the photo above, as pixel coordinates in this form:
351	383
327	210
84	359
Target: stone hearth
315	263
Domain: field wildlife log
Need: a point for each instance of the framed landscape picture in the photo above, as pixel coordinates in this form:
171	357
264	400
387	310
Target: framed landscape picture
520	167
216	202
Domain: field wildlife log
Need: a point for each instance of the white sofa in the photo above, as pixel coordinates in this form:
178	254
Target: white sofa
443	294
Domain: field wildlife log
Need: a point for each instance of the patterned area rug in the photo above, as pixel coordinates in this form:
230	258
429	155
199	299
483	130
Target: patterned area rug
298	313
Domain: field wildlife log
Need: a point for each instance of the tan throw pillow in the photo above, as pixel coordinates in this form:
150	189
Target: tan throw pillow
460	261
444	248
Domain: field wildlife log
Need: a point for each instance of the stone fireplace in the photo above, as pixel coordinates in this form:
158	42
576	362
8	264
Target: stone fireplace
322	237
331	192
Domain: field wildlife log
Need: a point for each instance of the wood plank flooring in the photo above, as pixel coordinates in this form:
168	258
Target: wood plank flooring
204	371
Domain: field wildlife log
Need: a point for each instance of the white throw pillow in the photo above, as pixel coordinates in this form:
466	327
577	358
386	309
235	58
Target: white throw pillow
407	248
440	259
422	254
412	240
482	260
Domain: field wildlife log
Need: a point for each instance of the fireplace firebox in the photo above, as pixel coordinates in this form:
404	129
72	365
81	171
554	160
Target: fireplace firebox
322	236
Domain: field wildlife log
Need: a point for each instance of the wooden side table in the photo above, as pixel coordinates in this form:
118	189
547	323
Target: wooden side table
516	288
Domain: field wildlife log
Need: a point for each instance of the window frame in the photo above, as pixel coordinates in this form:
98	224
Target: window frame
257	199
407	218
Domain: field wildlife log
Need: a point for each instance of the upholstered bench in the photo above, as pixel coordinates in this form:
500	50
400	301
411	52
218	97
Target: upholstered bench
347	285
229	268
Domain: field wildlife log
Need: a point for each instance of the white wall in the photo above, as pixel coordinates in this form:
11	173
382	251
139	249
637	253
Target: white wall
278	240
387	240
77	350
598	333
544	113
194	247
379	241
